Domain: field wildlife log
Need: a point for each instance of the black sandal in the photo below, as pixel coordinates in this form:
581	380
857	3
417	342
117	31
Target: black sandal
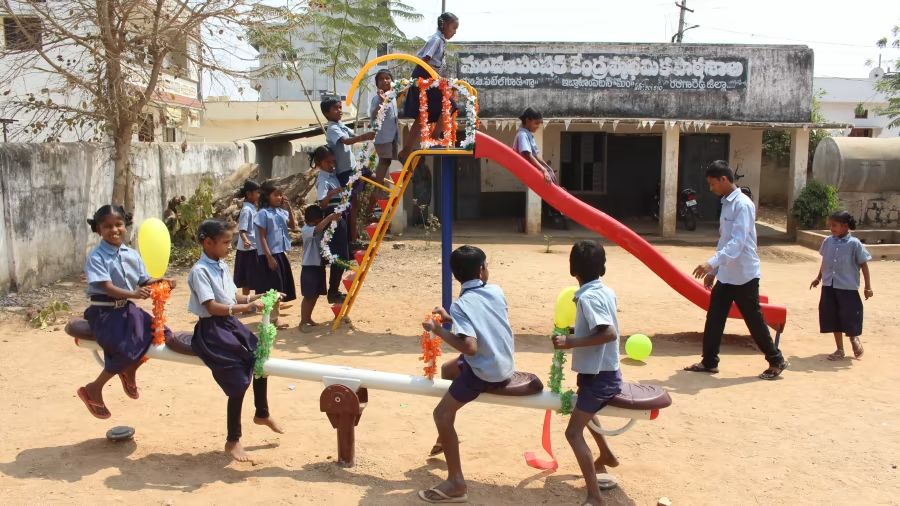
773	372
701	368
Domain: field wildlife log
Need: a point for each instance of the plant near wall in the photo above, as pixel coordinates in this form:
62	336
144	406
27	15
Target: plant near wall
815	202
777	143
189	214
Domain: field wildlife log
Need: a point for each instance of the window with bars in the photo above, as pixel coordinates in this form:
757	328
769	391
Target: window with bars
24	35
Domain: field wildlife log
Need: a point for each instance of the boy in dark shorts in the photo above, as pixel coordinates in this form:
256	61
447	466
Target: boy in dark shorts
595	357
483	336
312	272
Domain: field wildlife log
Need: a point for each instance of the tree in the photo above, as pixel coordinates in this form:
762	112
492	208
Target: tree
777	143
889	84
101	63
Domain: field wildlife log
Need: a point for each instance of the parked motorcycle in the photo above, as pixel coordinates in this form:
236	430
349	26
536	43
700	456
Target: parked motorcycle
744	189
688	207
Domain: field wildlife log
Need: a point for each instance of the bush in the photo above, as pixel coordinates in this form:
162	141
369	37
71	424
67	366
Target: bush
189	214
815	203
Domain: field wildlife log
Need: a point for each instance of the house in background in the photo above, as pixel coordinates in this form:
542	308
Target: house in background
855	101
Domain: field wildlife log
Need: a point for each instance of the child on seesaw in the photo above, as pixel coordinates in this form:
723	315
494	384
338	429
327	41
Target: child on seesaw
225	344
595	357
483	336
116	273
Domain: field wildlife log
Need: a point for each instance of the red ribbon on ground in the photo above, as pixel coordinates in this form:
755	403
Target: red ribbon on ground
532	460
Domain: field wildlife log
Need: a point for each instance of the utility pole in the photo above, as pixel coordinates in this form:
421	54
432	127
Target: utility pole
679	36
443	6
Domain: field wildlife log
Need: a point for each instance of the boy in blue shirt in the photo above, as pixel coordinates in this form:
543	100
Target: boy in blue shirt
483	336
595	357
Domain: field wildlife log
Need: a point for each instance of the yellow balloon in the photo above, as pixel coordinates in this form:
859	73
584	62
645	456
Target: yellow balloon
564	314
154	245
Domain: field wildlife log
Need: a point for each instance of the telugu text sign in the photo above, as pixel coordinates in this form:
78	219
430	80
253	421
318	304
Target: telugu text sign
603	71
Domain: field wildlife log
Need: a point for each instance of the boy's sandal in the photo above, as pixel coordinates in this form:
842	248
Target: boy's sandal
97	409
699	367
857	347
837	355
131	389
436	450
441	497
773	372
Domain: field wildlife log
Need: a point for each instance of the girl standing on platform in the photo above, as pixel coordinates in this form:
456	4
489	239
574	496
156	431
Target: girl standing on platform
225	344
273	221
246	259
116	273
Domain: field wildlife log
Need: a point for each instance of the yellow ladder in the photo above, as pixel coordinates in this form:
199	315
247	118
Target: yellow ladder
358	275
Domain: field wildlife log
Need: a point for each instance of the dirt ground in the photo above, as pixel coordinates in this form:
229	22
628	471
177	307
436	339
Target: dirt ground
827	432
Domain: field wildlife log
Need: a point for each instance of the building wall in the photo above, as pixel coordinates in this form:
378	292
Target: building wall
48	190
761	83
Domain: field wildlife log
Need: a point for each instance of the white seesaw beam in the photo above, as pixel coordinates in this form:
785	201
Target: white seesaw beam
377	380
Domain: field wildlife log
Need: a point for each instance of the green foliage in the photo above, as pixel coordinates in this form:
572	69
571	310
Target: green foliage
47	315
188	217
889	84
777	143
815	202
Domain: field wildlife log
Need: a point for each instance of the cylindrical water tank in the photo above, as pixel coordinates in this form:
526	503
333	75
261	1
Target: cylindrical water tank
858	164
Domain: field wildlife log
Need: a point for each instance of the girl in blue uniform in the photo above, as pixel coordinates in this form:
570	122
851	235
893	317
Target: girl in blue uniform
225	344
116	273
246	260
273	221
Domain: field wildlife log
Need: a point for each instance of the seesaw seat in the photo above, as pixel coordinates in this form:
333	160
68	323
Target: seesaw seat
633	396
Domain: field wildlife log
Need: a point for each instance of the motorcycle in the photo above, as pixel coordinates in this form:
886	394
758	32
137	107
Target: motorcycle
688	207
744	189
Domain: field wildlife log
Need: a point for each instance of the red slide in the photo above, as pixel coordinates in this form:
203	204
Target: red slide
601	223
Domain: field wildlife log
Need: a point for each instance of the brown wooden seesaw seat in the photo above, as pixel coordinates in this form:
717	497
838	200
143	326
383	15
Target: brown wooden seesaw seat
633	395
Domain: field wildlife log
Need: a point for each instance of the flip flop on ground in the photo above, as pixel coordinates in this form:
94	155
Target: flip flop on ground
699	367
96	408
439	497
837	355
773	371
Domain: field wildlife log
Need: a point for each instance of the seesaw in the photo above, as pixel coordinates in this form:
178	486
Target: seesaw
346	388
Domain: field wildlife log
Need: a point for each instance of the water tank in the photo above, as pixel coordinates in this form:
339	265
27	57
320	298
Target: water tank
858	164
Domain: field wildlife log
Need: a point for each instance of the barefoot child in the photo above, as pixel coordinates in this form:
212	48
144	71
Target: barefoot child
431	53
328	191
840	308
246	259
312	272
273	221
339	138
483	336
116	273
526	145
386	139
595	357
224	344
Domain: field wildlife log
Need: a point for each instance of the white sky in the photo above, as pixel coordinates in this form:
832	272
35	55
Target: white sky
842	38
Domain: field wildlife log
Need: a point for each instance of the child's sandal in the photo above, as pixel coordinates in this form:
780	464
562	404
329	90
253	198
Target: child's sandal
837	355
857	347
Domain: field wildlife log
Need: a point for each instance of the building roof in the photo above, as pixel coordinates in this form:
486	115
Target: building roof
846	89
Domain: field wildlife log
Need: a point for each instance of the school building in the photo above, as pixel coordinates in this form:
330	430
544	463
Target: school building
621	118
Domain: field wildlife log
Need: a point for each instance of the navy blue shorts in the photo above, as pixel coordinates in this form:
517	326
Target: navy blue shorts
344	178
312	281
467	386
596	390
840	311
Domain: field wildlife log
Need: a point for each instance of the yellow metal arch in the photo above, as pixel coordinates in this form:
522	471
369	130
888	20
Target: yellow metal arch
393	56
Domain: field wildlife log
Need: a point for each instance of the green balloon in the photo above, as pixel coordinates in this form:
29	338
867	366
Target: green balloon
638	347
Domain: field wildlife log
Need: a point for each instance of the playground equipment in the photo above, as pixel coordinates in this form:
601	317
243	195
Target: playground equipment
593	219
346	388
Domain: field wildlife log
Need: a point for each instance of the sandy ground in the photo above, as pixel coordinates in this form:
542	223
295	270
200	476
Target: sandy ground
826	433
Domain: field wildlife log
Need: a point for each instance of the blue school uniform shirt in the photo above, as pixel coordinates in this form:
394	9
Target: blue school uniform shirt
525	142
481	312
595	304
325	182
343	154
312	250
434	49
390	127
736	261
122	266
841	258
246	224
210	280
275	222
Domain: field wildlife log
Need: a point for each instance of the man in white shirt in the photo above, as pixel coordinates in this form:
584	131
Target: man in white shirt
736	264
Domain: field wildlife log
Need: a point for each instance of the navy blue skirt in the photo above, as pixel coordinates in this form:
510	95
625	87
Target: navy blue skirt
246	268
227	347
281	279
411	106
840	311
124	334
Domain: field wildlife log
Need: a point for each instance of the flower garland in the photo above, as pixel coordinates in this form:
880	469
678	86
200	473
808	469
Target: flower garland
431	348
267	332
557	376
159	293
472	111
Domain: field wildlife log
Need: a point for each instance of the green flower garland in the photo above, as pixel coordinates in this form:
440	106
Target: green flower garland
557	376
267	333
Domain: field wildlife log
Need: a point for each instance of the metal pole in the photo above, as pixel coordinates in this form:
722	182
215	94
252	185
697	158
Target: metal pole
446	164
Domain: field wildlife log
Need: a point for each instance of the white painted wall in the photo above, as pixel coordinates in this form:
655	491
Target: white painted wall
841	96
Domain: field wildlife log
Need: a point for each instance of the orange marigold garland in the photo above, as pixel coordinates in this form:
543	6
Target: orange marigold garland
424	84
431	348
159	293
447	126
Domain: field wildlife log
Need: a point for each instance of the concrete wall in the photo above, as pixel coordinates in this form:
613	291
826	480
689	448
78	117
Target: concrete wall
49	190
593	80
873	210
773	188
